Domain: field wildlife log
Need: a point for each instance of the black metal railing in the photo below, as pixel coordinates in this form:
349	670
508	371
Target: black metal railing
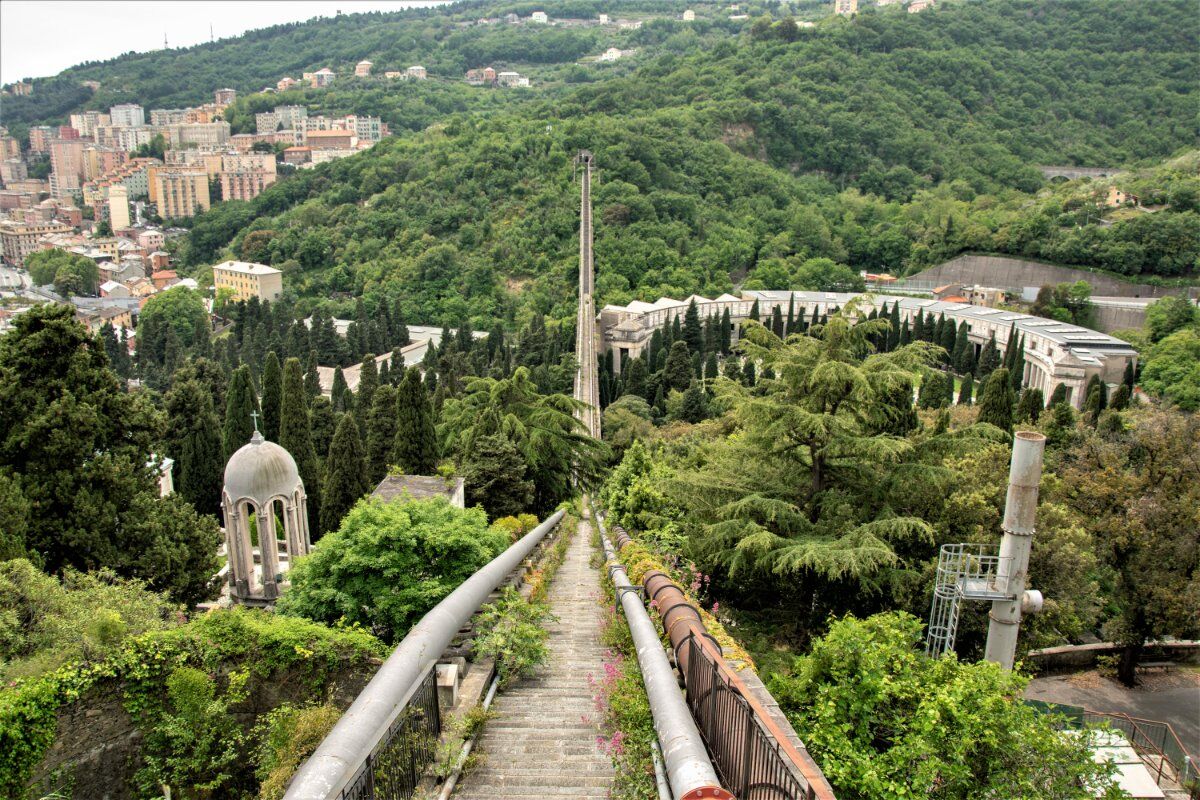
398	761
749	762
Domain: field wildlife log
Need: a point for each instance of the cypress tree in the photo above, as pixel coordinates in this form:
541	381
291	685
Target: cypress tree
726	334
711	369
791	317
415	446
677	373
1120	398
754	311
385	375
905	334
731	370
697	366
748	376
240	403
712	339
1010	350
1017	370
949	336
989	360
295	436
676	330
933	389
894	333
949	388
1029	406
339	395
777	321
635	377
368	382
694	405
939	327
1058	396
345	474
312	378
400	336
996	404
323	422
1095	399
1062	423
918	327
272	383
197	448
801	325
1128	379
966	390
963	352
660	402
381	432
656	344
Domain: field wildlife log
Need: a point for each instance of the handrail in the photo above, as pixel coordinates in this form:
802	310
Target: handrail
339	756
1145	745
683	624
689	770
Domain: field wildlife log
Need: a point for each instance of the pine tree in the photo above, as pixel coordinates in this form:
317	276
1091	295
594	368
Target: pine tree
495	476
381	433
272	386
966	390
368	382
996	404
754	311
345	474
677	374
240	404
195	444
415	446
295	436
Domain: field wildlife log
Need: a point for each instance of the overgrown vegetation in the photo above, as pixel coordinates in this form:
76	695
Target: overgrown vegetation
180	687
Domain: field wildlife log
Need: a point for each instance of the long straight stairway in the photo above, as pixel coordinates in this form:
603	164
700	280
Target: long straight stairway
542	740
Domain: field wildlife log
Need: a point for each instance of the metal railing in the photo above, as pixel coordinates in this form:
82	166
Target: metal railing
1157	744
395	766
750	762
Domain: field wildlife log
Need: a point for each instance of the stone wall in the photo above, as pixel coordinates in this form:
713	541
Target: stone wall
97	747
1076	657
1004	272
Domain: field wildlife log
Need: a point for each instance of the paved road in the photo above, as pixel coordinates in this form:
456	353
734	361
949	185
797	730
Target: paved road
542	742
1178	704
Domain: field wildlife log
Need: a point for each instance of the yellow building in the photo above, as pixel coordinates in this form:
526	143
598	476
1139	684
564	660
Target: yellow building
179	192
248	280
118	207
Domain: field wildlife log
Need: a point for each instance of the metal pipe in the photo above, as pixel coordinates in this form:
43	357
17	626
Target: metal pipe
465	753
1020	513
339	755
660	775
689	770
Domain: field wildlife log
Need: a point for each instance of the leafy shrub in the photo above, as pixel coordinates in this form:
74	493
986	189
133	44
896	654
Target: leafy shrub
289	735
512	631
390	563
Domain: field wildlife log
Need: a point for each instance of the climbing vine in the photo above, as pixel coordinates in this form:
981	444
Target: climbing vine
166	678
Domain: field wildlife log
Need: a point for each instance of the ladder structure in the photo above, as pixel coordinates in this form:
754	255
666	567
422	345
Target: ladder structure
587	386
964	572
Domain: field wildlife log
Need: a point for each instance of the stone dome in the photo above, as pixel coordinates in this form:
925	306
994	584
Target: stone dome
261	470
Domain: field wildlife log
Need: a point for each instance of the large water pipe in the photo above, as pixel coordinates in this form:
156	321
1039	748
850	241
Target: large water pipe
340	754
689	770
681	622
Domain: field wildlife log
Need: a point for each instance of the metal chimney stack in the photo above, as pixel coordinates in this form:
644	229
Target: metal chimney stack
1020	513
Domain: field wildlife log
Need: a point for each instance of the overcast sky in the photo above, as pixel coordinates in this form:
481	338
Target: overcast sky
43	37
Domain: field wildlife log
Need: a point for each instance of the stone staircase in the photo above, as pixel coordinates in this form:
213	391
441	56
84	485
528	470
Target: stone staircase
542	740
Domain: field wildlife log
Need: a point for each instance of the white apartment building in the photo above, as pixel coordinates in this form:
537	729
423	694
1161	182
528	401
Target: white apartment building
127	115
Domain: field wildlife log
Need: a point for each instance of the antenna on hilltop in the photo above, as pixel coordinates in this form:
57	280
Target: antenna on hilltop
210	33
165	45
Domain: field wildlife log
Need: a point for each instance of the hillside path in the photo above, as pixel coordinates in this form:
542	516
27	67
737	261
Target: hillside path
542	740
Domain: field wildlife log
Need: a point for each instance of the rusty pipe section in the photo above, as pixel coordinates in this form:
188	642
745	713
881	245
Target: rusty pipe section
690	772
681	622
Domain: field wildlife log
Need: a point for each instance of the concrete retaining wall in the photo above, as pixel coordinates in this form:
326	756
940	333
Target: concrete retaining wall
1004	272
1073	658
